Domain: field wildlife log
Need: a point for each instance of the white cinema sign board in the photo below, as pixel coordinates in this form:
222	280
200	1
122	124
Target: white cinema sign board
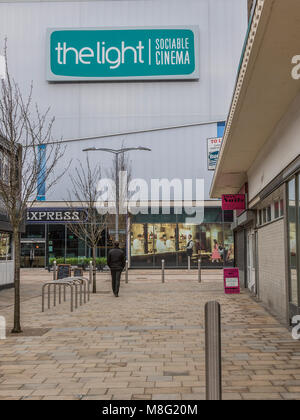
213	149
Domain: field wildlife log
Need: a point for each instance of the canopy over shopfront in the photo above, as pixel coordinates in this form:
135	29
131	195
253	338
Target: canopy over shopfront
260	157
264	90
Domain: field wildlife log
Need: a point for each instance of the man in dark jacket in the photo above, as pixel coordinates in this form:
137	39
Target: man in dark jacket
116	262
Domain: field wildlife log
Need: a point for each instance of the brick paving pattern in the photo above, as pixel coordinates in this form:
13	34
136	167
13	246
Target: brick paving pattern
146	344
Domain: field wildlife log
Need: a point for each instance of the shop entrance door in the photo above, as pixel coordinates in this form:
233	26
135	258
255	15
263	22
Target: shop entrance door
33	254
251	258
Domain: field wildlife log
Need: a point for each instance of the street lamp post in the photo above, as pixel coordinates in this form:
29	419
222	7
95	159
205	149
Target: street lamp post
117	152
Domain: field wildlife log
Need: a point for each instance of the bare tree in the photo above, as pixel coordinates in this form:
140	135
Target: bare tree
84	194
29	161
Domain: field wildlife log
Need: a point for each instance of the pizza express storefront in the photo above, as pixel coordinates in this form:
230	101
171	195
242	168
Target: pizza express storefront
150	238
47	235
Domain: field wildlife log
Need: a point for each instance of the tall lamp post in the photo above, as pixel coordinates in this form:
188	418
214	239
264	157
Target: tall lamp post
117	152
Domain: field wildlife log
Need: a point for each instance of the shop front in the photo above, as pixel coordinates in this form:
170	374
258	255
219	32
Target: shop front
154	238
6	253
151	238
293	220
49	235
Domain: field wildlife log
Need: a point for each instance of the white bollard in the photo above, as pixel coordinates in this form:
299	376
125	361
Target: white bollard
54	270
2	328
91	272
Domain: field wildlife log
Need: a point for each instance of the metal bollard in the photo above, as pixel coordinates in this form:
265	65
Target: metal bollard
54	270
213	366
162	271
199	271
49	296
91	273
54	295
189	262
43	297
126	272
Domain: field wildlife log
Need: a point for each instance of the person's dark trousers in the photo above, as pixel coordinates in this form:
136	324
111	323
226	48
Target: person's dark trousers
116	278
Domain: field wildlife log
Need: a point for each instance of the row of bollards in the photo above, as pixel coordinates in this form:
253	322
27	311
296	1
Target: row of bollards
163	271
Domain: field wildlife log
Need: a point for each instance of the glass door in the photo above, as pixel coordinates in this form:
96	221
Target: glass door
32	254
251	252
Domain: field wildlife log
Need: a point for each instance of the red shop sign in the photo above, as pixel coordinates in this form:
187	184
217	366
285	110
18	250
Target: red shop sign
233	202
231	281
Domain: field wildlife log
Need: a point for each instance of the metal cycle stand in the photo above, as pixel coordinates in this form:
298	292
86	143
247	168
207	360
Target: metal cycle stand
85	288
48	284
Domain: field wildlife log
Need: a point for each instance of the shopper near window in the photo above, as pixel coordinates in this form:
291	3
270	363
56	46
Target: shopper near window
190	246
215	257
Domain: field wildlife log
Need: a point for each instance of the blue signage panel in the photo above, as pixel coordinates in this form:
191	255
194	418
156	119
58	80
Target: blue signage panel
123	54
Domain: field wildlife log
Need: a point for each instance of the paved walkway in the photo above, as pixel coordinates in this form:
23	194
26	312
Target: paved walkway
146	344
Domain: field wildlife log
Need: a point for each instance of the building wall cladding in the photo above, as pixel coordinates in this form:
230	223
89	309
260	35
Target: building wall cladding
271	260
91	109
279	151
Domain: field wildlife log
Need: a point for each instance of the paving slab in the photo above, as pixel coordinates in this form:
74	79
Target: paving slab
146	344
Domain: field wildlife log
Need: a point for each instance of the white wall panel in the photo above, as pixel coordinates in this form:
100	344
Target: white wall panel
89	109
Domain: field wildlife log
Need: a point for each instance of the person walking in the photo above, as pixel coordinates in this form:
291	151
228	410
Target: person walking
116	262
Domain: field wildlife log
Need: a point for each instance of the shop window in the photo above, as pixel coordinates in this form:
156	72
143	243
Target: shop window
165	243
150	243
281	205
228	216
292	241
276	209
265	215
269	214
5	246
34	231
259	217
142	240
56	240
75	246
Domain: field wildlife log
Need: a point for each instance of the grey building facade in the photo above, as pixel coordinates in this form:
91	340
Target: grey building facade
173	117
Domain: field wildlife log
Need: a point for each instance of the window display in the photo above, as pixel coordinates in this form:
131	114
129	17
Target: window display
292	223
212	242
5	246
